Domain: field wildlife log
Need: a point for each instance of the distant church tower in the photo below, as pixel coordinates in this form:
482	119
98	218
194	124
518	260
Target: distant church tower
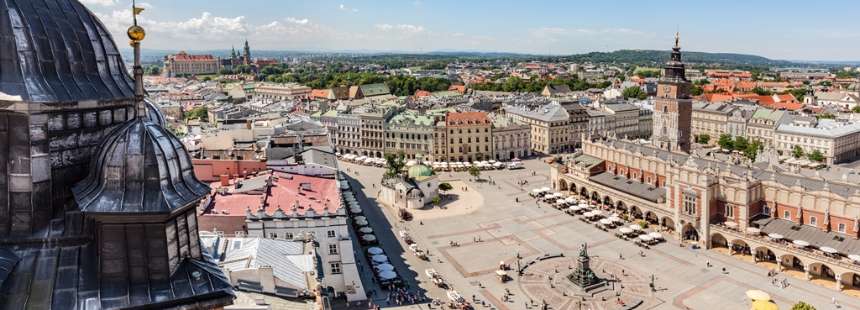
674	107
247	54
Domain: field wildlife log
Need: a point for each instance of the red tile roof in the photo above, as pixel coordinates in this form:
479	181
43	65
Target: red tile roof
182	56
467	118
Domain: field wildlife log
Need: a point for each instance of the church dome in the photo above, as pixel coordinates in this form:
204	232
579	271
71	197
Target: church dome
54	51
139	168
419	171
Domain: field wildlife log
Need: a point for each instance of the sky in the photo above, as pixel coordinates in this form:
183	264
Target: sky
787	29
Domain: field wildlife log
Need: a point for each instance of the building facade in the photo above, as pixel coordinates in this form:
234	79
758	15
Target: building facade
277	91
468	135
510	139
412	133
182	64
551	128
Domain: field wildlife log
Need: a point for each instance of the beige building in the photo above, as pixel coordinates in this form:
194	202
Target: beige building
412	133
183	63
468	136
279	91
624	119
838	141
510	139
763	123
711	119
551	128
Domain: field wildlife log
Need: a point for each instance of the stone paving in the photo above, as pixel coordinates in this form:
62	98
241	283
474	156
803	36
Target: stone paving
502	228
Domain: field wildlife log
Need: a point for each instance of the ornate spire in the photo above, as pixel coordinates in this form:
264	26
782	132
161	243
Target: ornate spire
136	34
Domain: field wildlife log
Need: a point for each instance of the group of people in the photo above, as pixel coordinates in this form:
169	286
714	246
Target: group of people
402	296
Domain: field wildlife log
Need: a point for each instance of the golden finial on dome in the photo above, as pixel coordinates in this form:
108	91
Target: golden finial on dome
135	32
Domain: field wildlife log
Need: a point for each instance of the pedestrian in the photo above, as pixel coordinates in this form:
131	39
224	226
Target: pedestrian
708	263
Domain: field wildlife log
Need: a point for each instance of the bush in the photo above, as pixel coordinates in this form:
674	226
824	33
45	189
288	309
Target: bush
802	306
445	187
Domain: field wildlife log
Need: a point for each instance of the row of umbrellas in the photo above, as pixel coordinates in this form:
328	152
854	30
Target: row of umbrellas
364	159
384	270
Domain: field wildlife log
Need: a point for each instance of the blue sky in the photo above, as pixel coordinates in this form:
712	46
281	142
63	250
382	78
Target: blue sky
788	29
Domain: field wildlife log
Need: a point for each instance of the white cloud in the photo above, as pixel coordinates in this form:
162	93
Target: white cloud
303	21
343	7
99	2
402	28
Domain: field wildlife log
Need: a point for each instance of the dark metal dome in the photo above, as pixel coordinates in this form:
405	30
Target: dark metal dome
139	168
153	114
58	51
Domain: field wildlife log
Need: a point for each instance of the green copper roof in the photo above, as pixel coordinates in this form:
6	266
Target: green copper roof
374	89
419	171
409	117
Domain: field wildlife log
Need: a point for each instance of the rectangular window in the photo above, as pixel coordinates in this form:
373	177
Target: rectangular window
331	234
730	212
335	268
332	249
841	228
786	215
690	203
813	221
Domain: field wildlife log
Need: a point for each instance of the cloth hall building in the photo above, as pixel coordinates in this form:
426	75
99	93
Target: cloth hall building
798	220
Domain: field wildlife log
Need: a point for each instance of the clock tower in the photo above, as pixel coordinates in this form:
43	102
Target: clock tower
673	108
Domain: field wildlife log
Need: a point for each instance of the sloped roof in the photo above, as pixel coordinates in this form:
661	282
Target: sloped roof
288	260
378	89
58	51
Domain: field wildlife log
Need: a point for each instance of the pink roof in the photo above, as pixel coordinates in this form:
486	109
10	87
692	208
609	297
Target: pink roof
288	191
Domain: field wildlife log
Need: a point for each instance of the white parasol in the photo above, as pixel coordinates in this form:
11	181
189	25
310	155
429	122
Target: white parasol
368	237
384	267
380	258
775	236
800	243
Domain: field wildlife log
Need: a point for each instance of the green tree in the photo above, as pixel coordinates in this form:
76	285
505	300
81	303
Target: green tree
475	172
703	139
802	306
752	149
798	93
856	109
697	90
826	115
152	70
201	113
632	92
797	151
394	163
761	91
436	201
445	186
816	156
740	144
726	142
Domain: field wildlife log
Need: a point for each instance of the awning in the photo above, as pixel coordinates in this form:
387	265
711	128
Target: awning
774	236
753	230
800	243
384	267
828	250
625	230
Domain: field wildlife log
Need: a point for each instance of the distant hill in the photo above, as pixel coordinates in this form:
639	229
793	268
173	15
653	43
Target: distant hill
656	57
